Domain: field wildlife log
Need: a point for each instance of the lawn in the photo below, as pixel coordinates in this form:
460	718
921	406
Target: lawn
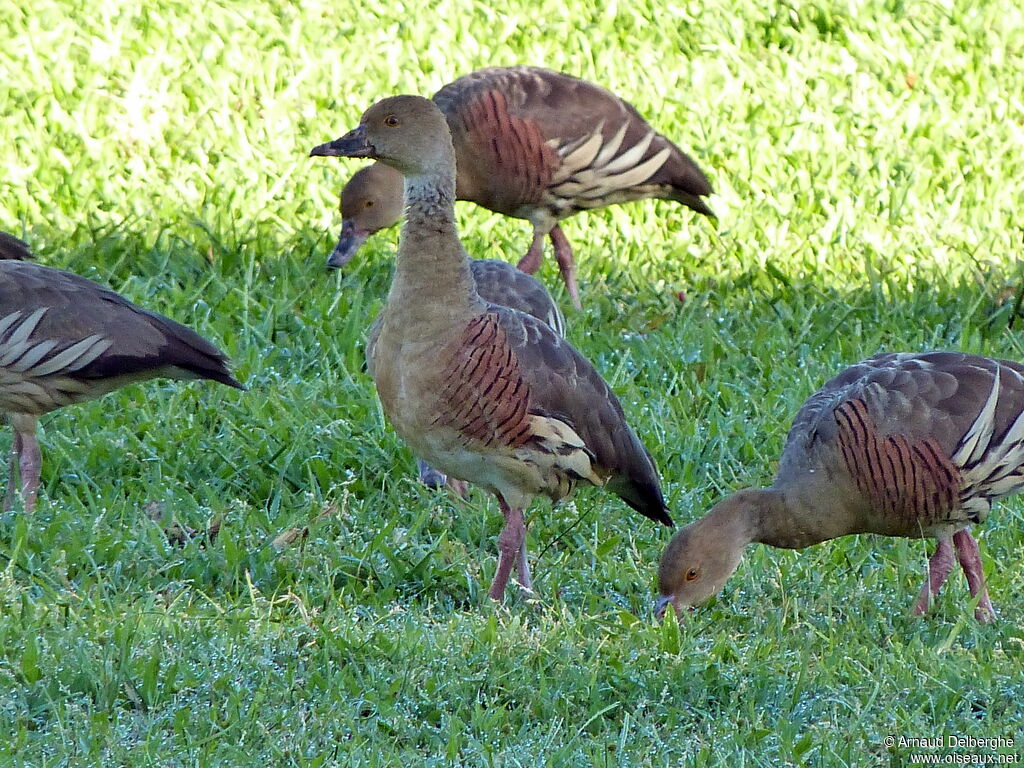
868	161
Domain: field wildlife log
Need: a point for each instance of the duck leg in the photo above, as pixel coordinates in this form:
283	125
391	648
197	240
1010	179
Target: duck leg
523	568
970	560
12	475
566	264
510	544
530	263
30	465
939	566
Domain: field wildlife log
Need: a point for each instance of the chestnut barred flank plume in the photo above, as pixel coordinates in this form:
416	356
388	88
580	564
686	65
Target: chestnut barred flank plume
906	444
499	283
942	429
65	339
485	393
536	145
495	138
563	144
484	396
904	478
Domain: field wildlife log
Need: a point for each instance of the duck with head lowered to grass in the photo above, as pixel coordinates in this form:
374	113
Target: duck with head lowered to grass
915	445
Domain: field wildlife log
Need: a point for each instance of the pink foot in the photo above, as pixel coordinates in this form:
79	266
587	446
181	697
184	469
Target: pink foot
566	264
939	566
970	560
530	263
510	544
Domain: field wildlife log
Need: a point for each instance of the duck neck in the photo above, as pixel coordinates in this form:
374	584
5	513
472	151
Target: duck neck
432	274
784	521
736	518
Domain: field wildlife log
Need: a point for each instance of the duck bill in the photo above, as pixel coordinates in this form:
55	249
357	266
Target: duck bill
661	605
352	144
348	243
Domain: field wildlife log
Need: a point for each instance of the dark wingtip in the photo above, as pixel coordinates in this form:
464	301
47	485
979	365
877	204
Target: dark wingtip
699	206
220	374
660	516
643	496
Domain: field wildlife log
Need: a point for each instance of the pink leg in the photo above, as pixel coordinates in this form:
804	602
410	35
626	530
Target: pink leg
566	264
12	476
939	566
970	560
510	543
530	263
31	466
523	568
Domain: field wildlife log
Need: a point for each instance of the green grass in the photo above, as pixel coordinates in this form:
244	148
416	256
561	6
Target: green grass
867	158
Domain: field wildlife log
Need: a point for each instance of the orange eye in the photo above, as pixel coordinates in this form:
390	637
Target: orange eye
691	574
391	121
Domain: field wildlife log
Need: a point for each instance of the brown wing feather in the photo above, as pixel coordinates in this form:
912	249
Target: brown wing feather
924	436
487	138
77	308
566	110
909	480
564	385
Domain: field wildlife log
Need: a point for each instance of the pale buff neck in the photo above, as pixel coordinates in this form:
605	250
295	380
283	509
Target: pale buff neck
755	515
797	516
432	282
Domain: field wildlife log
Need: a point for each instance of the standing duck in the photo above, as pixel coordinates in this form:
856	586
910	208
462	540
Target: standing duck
485	393
65	339
913	445
536	145
497	282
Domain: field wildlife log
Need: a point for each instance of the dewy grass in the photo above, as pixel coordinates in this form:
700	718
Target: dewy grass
868	168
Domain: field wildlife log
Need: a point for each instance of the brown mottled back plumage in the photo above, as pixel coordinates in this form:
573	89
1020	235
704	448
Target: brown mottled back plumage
59	309
485	393
541	146
65	339
913	445
929	439
559	144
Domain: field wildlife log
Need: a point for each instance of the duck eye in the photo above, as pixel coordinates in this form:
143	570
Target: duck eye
368	204
692	574
391	121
